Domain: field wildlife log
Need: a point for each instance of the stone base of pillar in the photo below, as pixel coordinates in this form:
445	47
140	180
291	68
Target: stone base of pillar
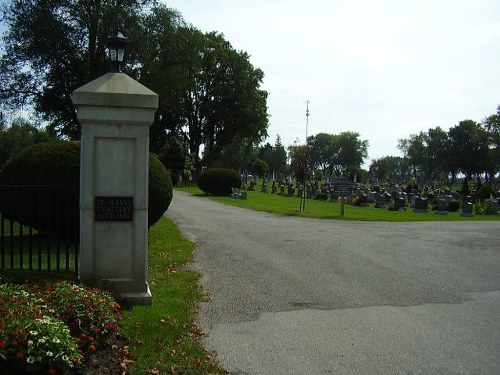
130	298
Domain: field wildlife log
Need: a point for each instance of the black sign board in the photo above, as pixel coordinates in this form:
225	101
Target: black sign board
114	209
342	187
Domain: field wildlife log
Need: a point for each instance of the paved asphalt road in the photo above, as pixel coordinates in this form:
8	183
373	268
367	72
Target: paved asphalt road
304	296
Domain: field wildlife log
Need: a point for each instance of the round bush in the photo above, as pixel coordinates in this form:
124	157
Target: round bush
160	190
58	163
219	181
321	197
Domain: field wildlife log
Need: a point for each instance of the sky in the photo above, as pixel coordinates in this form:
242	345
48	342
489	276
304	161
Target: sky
385	69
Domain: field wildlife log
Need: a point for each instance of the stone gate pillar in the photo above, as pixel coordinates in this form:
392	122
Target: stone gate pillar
115	113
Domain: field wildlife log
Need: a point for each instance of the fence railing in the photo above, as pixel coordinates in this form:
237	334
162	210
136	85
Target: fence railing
39	229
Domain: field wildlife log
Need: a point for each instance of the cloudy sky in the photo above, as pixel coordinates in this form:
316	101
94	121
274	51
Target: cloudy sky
383	68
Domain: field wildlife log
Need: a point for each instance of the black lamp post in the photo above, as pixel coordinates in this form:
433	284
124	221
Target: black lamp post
116	46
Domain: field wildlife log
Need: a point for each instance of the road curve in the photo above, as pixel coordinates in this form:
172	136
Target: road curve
306	296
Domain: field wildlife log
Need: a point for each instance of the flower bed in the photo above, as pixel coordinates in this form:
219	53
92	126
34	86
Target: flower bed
53	328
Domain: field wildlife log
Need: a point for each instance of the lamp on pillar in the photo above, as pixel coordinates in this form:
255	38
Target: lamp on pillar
116	44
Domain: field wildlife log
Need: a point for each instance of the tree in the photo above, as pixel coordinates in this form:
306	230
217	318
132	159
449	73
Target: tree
323	150
274	156
19	135
209	92
468	148
53	47
427	152
300	162
390	169
492	126
351	152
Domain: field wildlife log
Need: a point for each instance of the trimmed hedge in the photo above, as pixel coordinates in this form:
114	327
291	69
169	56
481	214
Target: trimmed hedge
219	181
58	163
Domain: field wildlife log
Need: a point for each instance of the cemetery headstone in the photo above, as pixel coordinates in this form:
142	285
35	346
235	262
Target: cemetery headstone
467	209
421	205
380	201
441	208
264	187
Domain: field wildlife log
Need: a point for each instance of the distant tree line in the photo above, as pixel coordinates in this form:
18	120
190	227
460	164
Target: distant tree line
469	148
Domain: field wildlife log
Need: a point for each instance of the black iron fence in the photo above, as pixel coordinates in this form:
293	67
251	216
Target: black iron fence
39	229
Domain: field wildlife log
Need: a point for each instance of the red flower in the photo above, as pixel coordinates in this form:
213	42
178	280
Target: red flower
20	355
92	348
2	343
52	371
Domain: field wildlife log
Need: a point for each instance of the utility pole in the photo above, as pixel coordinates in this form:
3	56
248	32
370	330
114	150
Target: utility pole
304	193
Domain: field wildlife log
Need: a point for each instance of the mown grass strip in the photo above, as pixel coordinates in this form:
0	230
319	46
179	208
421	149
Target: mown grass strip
285	205
164	337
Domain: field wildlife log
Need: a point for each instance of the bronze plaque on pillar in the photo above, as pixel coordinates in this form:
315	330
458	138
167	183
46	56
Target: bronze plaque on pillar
114	209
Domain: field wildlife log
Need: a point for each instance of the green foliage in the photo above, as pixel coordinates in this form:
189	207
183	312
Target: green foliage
321	197
160	190
484	192
483	207
19	135
33	71
58	163
300	162
47	328
274	156
219	181
49	163
259	167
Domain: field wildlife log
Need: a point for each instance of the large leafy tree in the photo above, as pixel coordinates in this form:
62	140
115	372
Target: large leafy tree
323	150
275	156
390	169
492	126
52	47
341	154
352	151
468	148
427	153
209	92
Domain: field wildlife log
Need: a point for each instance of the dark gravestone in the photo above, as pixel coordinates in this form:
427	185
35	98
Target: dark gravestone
467	209
441	208
421	205
380	201
400	204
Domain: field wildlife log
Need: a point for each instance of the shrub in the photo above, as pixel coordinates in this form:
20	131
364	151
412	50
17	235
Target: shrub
453	206
219	181
160	190
321	197
484	192
58	163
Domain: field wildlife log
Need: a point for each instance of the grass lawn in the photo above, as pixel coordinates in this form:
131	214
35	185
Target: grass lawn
285	205
164	337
